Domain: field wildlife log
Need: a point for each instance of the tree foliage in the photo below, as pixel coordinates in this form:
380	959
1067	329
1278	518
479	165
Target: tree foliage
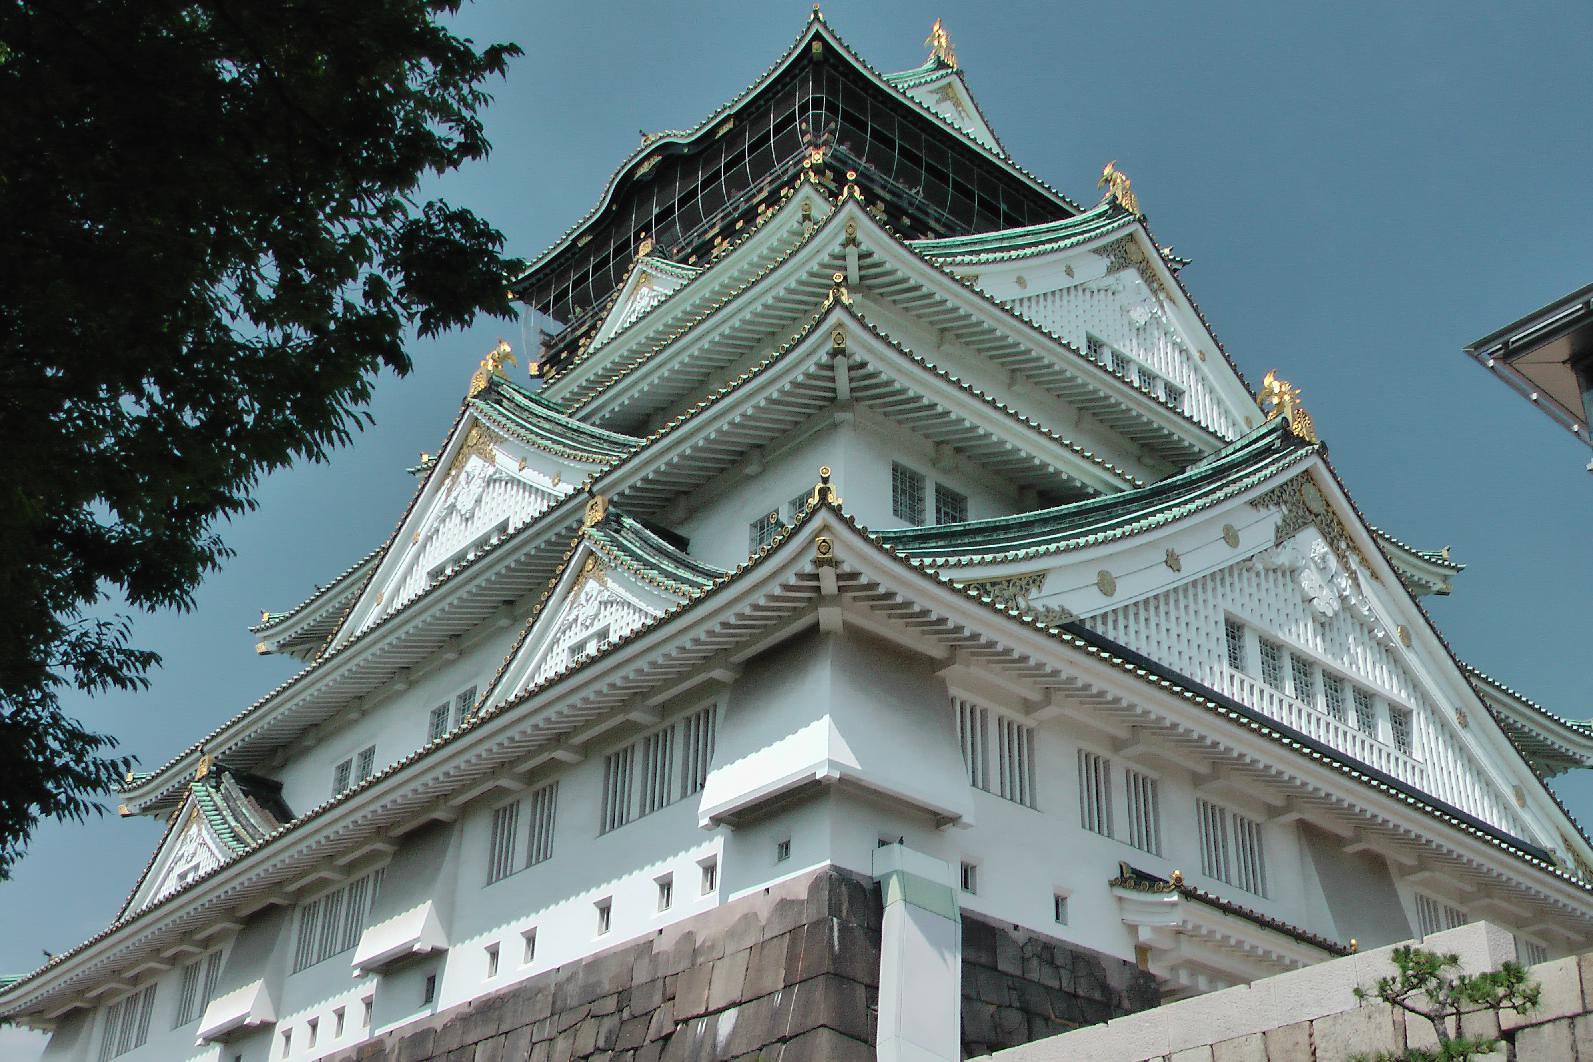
1432	986
214	240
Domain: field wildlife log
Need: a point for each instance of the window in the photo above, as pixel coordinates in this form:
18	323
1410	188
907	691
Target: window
797	506
1530	952
1271	663
1095	793
543	804
1059	908
287	1042
1144	827
492	960
1145	379
950	507
1013	776
1333	695
464	701
505	838
1238	659
782	850
331	924
1399	726
528	951
367	1007
311	1028
605	916
761	532
197	986
338	1016
588	644
1231	848
643	777
907	494
428	993
437	725
1096	347
127	1023
1121	364
710	876
666	892
1173	393
1365	711
1304	676
354	770
1434	916
970	878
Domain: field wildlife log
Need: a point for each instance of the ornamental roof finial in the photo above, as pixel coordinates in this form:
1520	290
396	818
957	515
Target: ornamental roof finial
940	46
1279	398
1119	187
824	491
491	365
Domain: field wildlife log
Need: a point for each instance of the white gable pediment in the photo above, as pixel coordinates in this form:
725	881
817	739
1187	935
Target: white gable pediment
483	488
188	852
652	280
949	97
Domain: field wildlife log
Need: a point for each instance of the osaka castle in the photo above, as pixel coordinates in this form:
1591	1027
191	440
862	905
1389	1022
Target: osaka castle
883	622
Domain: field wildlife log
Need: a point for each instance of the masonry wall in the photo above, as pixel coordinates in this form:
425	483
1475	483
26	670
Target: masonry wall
1311	1015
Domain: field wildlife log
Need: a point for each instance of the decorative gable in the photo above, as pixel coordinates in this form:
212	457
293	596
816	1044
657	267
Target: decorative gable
944	92
652	280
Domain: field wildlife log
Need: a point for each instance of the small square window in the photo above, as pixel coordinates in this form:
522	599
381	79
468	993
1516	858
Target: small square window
666	892
428	993
710	876
782	850
529	952
492	960
1059	908
605	916
884	842
970	878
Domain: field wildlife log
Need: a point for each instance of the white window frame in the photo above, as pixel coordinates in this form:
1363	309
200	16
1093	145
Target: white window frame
909	505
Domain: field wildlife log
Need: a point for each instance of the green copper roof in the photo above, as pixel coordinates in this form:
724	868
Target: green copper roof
534	420
239	808
627	543
1106	217
932	70
1242	464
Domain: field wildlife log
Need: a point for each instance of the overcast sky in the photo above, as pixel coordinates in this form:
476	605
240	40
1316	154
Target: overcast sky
1363	189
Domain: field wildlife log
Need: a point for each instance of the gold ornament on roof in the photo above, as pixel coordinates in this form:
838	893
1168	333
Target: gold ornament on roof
645	247
940	46
1279	398
491	365
824	491
596	509
1119	187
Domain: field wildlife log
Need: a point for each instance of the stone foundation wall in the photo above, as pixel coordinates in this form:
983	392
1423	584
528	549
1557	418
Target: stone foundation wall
1018	987
790	975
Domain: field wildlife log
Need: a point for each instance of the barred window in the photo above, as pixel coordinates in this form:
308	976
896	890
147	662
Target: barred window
618	771
197	985
1174	394
1304	676
1096	347
1145	379
1271	663
657	770
697	742
543	809
1120	363
127	1023
950	506
1435	916
762	531
505	839
644	776
1399	726
973	733
1333	695
1238	658
1144	825
1231	848
1365	711
331	924
907	494
1530	952
1095	793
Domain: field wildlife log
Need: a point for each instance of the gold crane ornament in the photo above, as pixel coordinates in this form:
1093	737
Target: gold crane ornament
940	46
1280	398
1119	187
491	365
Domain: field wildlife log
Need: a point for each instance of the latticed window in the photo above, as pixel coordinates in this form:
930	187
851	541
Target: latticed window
1304	676
1530	952
1231	848
127	1024
907	494
658	769
950	507
1365	712
762	531
464	702
1012	775
1095	793
1144	825
365	764
1238	659
332	923
505	841
1435	916
1174	395
1399	727
1120	363
196	987
437	725
1333	695
1271	663
543	808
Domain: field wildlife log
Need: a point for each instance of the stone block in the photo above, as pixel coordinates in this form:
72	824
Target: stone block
517	1044
1363	1030
490	1050
788	913
570	1017
1009	955
744	932
978	942
691	992
854	952
750	1030
1288	1043
1012	1027
1484	1023
1249	1048
602	1005
663	1021
632	1032
1559	995
1553	1041
825	1045
978	1021
417	1046
1191	1054
729	974
766	967
1582	1035
645	997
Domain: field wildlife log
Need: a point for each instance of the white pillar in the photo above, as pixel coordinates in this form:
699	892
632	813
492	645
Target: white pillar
920	959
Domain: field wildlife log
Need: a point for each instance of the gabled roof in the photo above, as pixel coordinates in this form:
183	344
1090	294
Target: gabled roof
1552	743
527	416
628	543
1105	217
305	627
1251	460
1423	571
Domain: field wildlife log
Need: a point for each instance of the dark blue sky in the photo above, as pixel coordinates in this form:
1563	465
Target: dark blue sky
1363	188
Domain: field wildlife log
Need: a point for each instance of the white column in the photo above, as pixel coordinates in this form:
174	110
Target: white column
920	964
